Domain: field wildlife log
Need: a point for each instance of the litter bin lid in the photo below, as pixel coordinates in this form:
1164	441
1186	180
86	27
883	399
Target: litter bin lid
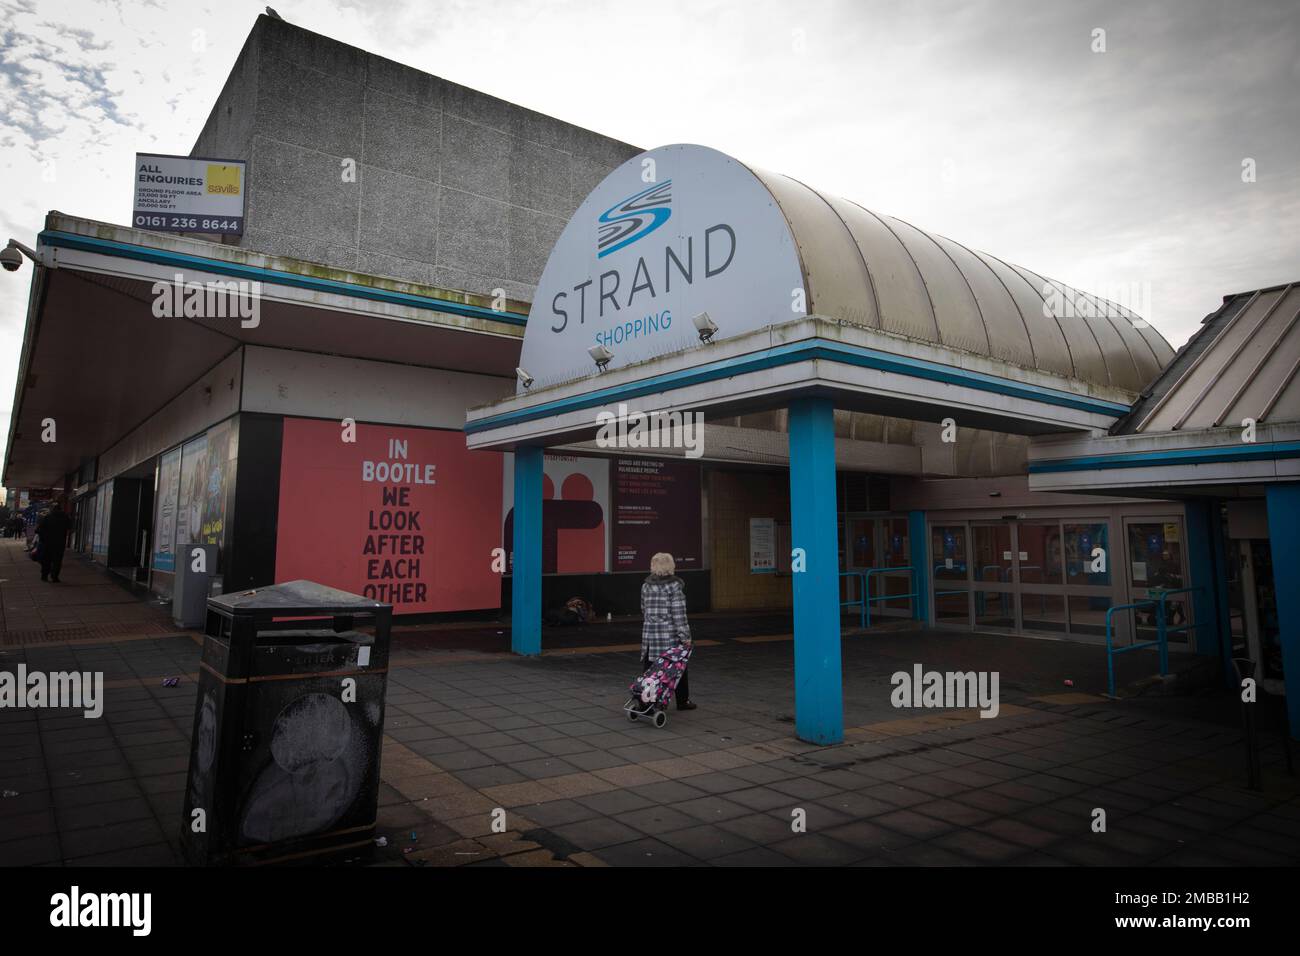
295	597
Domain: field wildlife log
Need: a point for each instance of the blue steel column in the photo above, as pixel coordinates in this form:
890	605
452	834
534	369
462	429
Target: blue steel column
1283	519
818	687
1206	569
526	582
919	543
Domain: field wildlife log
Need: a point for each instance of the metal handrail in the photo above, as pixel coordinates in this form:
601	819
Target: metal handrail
866	584
1159	599
860	603
1111	650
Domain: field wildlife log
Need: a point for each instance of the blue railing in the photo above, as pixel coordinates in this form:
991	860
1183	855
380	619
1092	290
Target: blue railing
866	582
1159	599
864	601
860	603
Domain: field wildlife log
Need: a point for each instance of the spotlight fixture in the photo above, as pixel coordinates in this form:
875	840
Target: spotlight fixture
600	355
706	327
525	379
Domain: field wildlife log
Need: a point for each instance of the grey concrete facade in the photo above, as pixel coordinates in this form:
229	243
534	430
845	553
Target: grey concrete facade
453	188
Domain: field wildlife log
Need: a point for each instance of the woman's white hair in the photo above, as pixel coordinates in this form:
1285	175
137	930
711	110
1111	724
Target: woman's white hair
662	566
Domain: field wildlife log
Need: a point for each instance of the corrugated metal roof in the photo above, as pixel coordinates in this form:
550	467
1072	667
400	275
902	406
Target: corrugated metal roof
1242	364
884	273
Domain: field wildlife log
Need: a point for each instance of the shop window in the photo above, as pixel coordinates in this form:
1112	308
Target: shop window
1087	554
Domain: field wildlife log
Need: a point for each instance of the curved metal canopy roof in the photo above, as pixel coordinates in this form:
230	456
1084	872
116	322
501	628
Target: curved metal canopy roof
881	272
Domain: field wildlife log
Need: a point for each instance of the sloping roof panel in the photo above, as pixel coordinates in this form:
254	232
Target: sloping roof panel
1242	364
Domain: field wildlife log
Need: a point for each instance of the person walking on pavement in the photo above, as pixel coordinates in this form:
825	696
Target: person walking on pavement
663	612
53	532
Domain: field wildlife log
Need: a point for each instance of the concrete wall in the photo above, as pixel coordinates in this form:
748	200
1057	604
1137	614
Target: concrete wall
284	382
214	397
453	188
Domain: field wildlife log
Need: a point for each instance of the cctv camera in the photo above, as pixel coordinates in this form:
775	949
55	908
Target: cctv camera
525	379
11	259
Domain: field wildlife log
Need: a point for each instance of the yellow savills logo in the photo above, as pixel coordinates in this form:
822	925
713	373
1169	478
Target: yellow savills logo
223	179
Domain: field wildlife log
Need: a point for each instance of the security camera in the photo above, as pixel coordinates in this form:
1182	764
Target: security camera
705	326
600	355
11	257
525	379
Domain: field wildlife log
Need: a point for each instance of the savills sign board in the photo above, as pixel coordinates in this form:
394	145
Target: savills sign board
188	194
671	233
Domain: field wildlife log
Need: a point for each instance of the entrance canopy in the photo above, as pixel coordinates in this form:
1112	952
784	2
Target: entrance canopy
109	340
688	282
804	295
1222	420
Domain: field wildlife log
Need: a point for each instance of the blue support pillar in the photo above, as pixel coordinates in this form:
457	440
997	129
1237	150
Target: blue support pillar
1283	519
526	580
1222	602
818	687
919	542
1206	572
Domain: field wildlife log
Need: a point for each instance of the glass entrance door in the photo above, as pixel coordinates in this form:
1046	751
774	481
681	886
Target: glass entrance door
1027	576
874	543
993	565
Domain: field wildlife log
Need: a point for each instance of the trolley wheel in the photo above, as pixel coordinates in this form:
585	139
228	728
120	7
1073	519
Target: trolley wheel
661	718
631	715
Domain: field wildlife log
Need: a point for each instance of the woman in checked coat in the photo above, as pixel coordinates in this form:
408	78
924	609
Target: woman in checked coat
663	612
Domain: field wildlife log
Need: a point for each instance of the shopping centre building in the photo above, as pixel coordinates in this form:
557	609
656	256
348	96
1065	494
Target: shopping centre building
884	410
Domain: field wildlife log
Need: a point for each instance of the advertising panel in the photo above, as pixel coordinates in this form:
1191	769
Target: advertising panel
164	522
187	194
575	514
407	516
656	508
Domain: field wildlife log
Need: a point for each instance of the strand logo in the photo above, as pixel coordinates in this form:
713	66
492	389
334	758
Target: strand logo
630	219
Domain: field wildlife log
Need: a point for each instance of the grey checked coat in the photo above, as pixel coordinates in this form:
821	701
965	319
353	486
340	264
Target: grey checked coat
663	609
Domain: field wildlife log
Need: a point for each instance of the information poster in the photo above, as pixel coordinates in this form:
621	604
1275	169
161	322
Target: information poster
169	486
194	473
762	545
656	508
407	516
218	473
575	514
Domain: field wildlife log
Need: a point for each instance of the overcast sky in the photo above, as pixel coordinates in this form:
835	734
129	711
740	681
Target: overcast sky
994	123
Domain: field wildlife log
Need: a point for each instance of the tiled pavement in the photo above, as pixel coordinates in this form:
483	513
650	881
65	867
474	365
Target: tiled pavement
545	741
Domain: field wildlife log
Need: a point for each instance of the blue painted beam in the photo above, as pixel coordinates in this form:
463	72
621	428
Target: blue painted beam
526	580
1283	520
789	354
818	685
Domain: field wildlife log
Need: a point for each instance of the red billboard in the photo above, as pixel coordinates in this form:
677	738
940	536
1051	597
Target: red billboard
407	516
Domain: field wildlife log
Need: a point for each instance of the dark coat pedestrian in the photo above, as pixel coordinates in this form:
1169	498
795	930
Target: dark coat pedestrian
53	533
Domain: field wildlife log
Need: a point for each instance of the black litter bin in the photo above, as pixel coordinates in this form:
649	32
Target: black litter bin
288	725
